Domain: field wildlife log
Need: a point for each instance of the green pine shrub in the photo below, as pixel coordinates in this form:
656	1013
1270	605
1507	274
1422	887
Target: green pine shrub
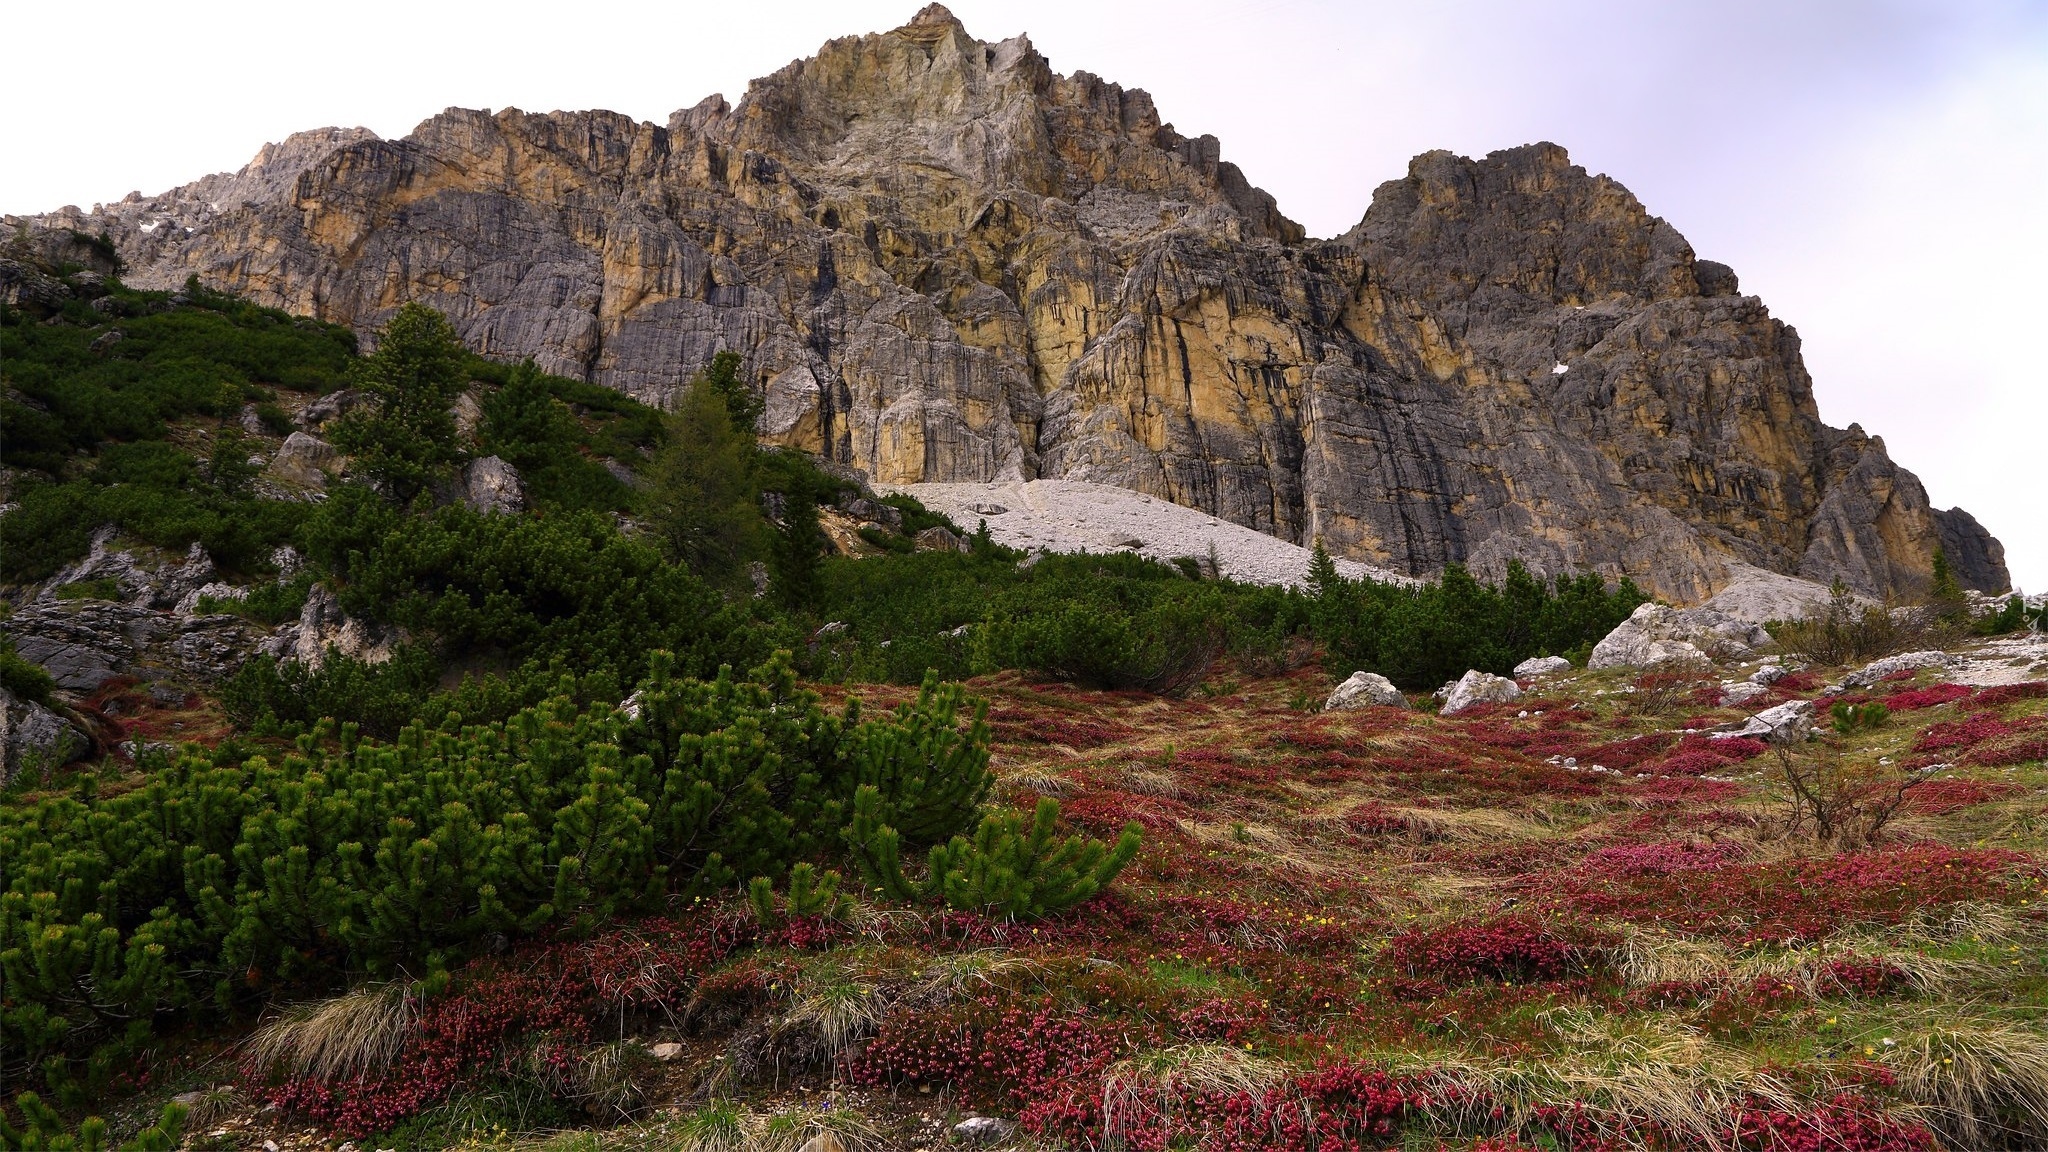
24	679
1009	868
227	876
1423	635
45	1131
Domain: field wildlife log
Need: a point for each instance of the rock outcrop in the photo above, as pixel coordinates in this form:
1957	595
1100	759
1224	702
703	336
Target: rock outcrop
943	261
1656	634
34	738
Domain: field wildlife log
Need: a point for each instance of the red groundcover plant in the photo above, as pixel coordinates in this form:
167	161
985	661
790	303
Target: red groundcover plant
1518	948
1801	899
551	997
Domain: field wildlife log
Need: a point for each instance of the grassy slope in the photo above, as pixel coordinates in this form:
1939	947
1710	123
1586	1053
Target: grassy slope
1675	957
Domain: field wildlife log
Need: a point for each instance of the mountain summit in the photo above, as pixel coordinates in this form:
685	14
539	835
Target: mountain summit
944	261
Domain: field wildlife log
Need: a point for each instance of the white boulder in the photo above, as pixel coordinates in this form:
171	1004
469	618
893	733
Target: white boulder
1877	670
490	484
1788	723
1736	695
1364	690
304	460
1659	635
1475	688
1536	666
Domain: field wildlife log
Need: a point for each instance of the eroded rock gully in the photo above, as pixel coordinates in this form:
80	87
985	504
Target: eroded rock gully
943	261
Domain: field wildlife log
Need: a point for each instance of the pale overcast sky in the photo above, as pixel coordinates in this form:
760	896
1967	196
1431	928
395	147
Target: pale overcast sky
1876	170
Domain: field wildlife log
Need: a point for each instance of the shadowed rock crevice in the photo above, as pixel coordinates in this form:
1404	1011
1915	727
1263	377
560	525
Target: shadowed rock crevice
944	261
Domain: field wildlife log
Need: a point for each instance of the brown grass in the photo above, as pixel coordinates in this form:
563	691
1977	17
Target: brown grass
349	1036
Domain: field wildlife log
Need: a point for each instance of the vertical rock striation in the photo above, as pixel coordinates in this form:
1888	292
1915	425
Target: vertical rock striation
943	261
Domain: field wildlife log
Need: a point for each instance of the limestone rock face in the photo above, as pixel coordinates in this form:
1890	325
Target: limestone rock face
942	261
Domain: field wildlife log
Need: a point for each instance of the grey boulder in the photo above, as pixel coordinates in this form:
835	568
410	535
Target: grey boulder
489	484
1536	666
1657	635
1475	688
304	460
35	738
1788	723
1877	670
1365	690
983	1130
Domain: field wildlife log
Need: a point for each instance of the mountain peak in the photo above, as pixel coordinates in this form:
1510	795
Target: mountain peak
942	261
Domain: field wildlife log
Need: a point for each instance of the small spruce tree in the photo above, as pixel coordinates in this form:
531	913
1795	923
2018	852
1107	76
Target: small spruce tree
404	439
701	495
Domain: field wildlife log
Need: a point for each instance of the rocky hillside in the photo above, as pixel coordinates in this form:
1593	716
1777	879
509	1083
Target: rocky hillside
945	262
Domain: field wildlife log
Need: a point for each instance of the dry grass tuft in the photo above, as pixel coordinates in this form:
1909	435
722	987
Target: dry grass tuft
1270	847
951	976
1984	1084
1157	1083
791	1131
339	1039
1152	782
834	1006
1034	780
1632	1074
606	1081
1467	824
1978	921
1649	957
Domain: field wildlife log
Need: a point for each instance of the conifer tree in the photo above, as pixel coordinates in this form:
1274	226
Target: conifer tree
702	493
404	439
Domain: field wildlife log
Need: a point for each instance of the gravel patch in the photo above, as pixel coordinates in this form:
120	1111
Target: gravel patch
1077	516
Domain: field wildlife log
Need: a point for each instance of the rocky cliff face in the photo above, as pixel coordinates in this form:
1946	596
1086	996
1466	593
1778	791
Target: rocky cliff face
945	262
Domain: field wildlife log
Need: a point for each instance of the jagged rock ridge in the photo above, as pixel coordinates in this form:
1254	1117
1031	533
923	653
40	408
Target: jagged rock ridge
945	262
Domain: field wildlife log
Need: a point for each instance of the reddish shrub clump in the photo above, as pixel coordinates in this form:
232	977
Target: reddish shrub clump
1516	948
1661	859
1108	810
1801	899
1940	797
2017	752
1628	753
1374	819
1847	1123
1965	733
1928	697
551	994
2010	694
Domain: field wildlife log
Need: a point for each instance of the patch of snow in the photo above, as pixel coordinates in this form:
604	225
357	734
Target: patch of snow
1079	516
1560	368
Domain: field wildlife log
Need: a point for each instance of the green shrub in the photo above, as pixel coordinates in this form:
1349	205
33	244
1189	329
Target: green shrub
403	439
266	604
45	1131
23	678
1421	635
1009	868
1859	717
2012	616
224	877
104	588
